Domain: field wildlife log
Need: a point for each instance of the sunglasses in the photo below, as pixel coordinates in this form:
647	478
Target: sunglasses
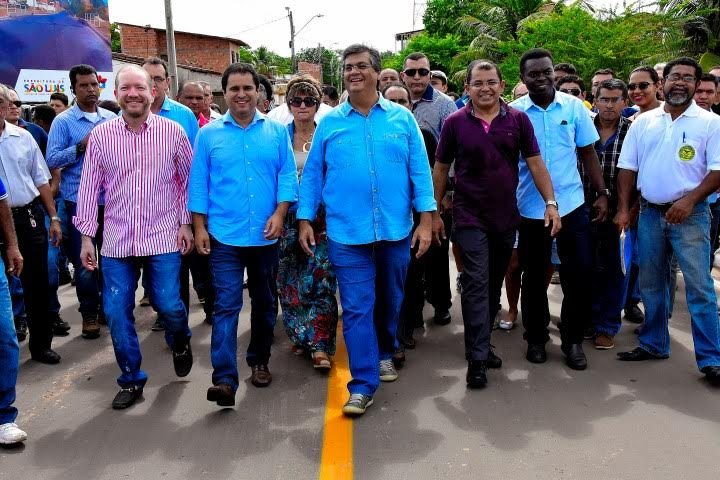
17	103
423	72
308	101
641	86
401	101
571	91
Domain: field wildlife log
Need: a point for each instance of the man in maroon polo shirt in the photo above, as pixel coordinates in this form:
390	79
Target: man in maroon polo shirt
485	140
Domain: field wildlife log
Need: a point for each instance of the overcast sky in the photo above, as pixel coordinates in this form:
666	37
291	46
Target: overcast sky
265	22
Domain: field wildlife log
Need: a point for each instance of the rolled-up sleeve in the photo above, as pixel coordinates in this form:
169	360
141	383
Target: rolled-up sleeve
629	154
198	190
85	219
287	177
313	177
419	169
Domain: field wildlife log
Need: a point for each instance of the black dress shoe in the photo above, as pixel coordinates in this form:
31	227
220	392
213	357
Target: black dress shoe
442	317
182	358
712	374
222	394
638	355
633	314
60	327
536	353
574	356
46	356
493	361
21	328
126	397
476	374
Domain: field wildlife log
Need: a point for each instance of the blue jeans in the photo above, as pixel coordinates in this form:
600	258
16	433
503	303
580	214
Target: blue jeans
690	243
87	284
371	279
9	354
227	266
54	257
120	279
608	282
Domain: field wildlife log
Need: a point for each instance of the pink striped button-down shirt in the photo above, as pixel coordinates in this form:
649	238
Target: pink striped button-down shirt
145	178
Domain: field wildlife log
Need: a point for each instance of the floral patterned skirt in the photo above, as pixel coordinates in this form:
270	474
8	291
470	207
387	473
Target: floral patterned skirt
306	287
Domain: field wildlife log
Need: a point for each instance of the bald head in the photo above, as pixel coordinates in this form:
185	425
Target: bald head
136	69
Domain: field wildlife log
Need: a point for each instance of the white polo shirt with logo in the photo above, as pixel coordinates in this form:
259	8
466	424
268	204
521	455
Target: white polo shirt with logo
671	158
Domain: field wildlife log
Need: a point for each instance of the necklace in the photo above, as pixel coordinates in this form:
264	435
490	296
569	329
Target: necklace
307	142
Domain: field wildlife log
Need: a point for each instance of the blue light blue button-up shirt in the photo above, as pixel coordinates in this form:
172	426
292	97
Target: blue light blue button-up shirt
560	128
369	172
67	130
239	175
181	114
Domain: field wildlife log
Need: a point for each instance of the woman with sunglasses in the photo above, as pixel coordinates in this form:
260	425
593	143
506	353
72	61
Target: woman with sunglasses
306	284
643	88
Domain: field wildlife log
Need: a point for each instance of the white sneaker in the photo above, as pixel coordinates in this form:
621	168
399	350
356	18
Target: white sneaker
10	434
387	371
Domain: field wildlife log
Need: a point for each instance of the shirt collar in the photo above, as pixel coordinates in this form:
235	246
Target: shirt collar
10	130
101	112
428	95
145	126
692	111
166	104
504	108
346	107
228	118
525	102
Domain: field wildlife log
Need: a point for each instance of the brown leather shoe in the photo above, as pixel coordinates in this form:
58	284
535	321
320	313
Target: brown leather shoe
321	361
260	376
90	327
222	394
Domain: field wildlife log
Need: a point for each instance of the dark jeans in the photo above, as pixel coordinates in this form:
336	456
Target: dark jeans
608	282
227	266
485	258
437	271
574	249
33	243
9	355
714	224
87	284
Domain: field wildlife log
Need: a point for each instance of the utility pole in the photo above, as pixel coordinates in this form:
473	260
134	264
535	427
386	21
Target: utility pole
292	39
320	61
172	58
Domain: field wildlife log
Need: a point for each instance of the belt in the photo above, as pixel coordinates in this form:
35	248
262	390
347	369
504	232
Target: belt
26	208
663	207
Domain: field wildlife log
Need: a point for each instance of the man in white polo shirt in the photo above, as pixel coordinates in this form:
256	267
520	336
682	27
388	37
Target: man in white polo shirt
674	152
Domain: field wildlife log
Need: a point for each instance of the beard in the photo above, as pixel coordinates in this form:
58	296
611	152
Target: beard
678	98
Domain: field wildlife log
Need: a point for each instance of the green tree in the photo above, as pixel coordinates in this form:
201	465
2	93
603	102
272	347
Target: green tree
441	17
115	45
265	61
700	22
440	51
329	59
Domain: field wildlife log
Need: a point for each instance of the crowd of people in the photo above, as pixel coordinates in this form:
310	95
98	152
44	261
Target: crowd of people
366	194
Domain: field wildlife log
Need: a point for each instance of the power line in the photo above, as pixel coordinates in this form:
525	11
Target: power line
257	26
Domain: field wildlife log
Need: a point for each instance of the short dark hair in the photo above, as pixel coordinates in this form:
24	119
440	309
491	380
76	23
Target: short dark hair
571	79
533	54
649	70
60	96
686	61
415	56
331	92
265	82
605	71
81	69
111	105
360	48
709	77
157	61
397	85
482	65
241	68
44	112
613	84
566	67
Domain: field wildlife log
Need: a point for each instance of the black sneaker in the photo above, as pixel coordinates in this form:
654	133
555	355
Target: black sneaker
476	374
633	314
126	397
60	327
493	361
182	358
157	326
21	328
442	317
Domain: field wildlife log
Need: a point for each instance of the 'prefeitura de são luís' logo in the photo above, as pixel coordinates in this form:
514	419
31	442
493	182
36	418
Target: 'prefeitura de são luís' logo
686	153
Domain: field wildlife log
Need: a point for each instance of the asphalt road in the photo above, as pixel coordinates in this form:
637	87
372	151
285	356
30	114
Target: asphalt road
657	420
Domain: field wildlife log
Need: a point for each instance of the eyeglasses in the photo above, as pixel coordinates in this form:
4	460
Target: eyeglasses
481	84
641	86
411	72
676	77
575	92
17	103
609	101
348	67
159	79
308	101
400	101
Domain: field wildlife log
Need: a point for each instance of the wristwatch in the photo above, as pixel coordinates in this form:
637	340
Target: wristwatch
551	203
56	219
605	192
80	149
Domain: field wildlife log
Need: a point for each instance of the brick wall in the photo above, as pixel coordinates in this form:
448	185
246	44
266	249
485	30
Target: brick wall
313	69
139	43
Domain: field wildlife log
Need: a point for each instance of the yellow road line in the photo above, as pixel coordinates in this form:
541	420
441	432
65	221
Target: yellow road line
336	462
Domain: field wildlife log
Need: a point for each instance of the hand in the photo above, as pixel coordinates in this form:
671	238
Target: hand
87	254
679	211
55	233
552	216
185	239
202	240
634	215
15	260
306	237
446	204
438	229
622	220
601	207
274	226
422	237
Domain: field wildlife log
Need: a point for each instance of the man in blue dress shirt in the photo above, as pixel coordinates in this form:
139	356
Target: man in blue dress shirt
368	166
242	182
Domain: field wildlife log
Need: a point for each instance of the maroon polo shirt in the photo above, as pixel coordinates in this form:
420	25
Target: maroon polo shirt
486	166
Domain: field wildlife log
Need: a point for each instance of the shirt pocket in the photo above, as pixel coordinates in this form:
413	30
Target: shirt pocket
343	153
393	148
687	151
565	134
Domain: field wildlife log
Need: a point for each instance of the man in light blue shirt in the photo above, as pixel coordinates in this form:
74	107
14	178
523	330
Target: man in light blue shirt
67	142
368	166
564	131
242	182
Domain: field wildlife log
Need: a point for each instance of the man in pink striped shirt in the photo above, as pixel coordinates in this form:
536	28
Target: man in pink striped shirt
142	161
